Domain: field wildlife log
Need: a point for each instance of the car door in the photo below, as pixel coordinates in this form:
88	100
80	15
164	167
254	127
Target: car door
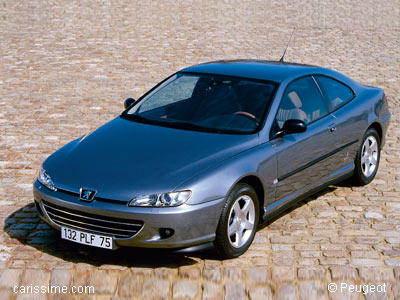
347	125
303	158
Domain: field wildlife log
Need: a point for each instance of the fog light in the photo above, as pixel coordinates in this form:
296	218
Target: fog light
166	233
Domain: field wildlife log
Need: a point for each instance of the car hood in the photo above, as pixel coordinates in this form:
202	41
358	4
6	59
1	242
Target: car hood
123	158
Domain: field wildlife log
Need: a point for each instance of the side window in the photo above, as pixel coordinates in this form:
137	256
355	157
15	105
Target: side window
302	100
335	92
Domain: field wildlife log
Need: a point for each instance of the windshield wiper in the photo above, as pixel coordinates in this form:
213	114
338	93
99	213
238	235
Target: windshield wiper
187	125
170	123
138	118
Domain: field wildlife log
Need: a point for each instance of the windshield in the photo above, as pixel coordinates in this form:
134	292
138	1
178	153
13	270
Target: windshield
203	102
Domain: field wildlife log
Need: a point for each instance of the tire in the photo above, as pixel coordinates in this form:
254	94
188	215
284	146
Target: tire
241	210
367	158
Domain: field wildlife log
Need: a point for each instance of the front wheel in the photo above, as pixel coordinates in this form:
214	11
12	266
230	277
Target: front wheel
238	222
367	159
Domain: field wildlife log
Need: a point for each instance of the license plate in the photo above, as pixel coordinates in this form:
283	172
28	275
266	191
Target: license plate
86	238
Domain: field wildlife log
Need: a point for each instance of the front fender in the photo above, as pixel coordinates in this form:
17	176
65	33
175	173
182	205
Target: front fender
217	181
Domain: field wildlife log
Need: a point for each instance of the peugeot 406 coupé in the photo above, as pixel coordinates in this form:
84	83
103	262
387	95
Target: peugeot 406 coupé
209	153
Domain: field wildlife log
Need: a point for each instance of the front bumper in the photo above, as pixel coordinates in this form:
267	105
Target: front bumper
190	224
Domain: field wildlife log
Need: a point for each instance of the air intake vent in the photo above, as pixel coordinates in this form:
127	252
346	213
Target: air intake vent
116	227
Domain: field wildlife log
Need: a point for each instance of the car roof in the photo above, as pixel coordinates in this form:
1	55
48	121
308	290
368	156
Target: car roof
257	69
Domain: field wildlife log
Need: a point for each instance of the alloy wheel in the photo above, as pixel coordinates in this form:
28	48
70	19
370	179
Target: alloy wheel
369	156
241	221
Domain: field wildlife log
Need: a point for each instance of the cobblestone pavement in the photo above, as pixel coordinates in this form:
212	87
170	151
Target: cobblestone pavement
67	66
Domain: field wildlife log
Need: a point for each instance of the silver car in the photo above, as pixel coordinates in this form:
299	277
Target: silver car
211	152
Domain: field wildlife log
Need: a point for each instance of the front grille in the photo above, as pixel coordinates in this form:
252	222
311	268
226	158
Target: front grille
116	227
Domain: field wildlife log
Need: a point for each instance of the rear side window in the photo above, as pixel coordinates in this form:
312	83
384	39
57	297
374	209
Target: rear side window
336	93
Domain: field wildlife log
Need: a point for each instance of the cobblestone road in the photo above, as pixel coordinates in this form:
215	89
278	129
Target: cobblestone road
67	66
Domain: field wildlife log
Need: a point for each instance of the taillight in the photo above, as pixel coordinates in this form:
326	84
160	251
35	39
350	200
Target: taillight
386	99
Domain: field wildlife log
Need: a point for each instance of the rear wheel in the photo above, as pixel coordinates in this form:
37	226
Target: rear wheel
367	159
238	222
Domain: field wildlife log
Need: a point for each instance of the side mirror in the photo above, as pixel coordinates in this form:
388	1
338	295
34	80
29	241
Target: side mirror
292	126
128	102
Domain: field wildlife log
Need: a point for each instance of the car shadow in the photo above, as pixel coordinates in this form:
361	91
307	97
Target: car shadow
25	225
346	183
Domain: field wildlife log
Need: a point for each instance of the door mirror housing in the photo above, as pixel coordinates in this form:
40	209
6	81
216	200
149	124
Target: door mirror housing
292	126
128	102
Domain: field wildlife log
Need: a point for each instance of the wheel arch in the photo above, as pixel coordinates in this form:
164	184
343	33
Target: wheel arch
378	128
256	183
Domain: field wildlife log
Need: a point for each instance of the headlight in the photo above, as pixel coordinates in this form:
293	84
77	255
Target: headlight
166	199
45	179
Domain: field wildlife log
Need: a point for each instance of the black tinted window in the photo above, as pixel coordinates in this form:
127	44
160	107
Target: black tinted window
302	100
335	92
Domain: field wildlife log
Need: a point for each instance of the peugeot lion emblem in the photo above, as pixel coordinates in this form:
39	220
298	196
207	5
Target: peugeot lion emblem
87	194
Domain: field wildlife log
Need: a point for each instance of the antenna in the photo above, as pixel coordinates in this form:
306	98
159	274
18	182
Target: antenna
281	60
